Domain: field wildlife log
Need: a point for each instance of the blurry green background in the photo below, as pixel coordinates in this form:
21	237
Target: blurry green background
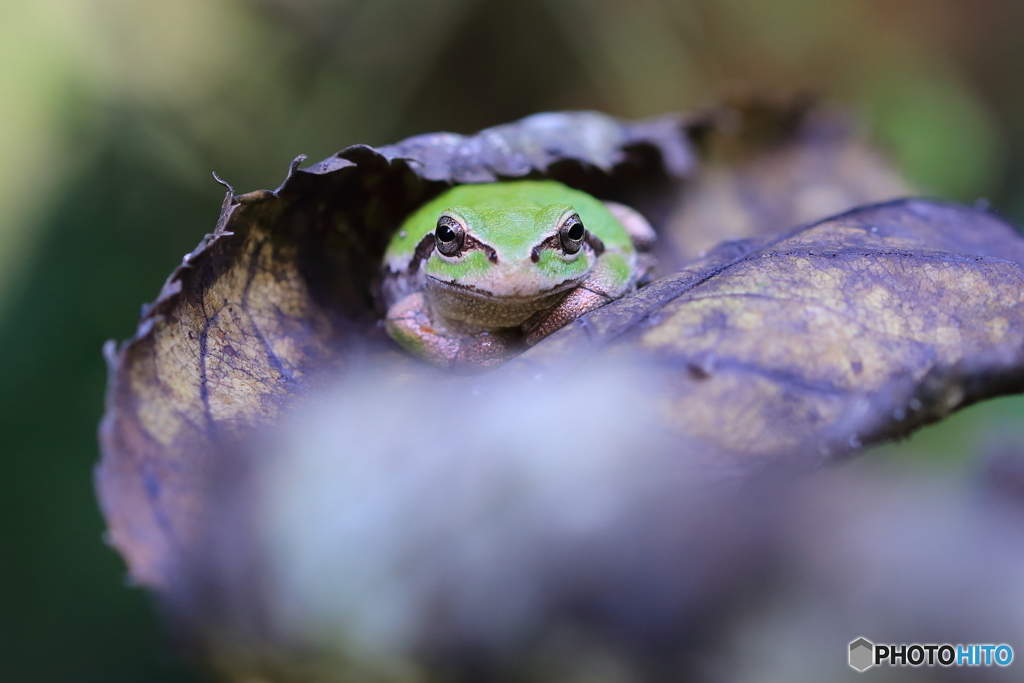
114	112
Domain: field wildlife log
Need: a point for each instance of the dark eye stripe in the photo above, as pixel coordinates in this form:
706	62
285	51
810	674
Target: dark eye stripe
471	243
553	242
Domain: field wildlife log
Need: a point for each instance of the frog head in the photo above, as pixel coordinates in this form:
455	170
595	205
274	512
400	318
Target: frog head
496	266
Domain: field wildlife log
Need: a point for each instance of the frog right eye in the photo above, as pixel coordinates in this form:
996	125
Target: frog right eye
571	234
449	236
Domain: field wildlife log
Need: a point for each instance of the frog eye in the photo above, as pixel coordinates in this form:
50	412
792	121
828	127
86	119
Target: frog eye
449	236
571	234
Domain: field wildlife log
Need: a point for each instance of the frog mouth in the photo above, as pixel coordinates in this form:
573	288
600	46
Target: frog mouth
461	288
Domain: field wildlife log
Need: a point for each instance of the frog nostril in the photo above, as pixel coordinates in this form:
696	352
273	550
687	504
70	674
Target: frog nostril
535	254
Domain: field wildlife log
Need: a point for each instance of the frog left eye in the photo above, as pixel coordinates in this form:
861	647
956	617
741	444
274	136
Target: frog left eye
571	234
449	236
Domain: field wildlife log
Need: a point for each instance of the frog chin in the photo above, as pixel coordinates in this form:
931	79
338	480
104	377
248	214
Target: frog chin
528	290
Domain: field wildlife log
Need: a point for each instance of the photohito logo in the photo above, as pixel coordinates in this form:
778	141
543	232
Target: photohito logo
864	654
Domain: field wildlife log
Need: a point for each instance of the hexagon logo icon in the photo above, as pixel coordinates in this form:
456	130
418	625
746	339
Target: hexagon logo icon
862	654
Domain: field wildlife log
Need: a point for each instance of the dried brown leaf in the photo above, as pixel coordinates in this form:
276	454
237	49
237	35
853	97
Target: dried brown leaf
770	164
853	330
817	339
282	293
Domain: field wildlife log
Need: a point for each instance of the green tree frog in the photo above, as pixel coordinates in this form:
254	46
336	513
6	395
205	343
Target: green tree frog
483	271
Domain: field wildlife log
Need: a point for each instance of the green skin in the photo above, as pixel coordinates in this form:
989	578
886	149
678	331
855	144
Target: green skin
514	279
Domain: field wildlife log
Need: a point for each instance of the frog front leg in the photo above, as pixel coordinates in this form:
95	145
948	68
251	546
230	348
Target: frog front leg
410	323
615	275
579	301
612	278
